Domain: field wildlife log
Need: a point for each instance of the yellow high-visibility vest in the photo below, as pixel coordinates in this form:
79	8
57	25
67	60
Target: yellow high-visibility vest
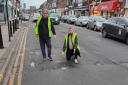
36	30
74	35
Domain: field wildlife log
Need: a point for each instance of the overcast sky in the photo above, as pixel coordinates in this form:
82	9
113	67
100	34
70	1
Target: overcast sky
29	3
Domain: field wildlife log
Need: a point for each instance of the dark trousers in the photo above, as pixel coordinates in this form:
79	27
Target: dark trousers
43	43
71	53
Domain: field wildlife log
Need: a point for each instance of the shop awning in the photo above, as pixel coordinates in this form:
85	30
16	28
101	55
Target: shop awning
109	6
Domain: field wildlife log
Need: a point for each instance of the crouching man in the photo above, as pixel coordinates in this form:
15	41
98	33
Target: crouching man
71	46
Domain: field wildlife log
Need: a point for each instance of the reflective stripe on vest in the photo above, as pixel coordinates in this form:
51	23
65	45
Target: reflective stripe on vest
36	30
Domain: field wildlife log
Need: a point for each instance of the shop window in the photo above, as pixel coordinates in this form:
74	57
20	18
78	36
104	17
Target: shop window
1	8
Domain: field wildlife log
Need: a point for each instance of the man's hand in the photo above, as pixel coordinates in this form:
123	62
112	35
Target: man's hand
74	51
54	36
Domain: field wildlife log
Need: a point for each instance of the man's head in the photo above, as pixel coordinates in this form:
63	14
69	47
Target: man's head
70	29
45	12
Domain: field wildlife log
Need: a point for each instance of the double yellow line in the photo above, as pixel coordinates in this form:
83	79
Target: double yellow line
19	61
9	58
16	59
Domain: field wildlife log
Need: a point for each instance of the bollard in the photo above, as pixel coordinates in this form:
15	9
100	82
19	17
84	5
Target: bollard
1	39
13	23
17	24
9	31
10	28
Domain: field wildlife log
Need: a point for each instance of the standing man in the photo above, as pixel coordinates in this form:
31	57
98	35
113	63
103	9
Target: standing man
45	29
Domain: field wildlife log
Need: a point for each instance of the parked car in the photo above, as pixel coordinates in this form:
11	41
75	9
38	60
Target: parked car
82	21
116	27
72	19
25	17
95	22
62	17
35	17
65	18
55	18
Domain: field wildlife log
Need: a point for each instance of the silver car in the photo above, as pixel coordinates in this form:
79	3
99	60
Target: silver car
35	17
72	19
95	22
82	21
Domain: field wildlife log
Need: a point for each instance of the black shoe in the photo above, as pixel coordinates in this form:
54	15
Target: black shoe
50	59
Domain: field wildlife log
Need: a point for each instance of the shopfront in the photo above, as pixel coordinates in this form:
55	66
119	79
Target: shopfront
9	9
126	8
95	11
109	9
2	13
81	9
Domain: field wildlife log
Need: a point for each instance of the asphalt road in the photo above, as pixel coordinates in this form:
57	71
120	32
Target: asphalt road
104	61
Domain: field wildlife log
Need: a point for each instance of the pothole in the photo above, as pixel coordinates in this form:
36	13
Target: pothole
125	63
59	65
98	63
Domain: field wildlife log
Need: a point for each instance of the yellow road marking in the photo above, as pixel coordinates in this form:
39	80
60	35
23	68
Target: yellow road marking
20	74
5	66
14	70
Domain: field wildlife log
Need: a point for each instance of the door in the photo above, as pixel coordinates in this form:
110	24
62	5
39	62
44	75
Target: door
122	28
91	21
112	26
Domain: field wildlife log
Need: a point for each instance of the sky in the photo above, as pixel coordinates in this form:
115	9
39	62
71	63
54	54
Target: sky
29	3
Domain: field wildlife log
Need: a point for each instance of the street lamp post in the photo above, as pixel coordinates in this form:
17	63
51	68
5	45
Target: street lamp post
8	20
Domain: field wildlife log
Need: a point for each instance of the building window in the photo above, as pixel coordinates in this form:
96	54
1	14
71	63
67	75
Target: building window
78	1
1	8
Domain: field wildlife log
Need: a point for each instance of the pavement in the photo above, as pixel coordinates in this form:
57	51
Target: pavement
7	44
104	61
4	30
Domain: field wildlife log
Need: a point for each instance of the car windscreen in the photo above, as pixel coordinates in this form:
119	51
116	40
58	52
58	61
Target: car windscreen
53	15
99	19
36	14
85	18
72	16
126	21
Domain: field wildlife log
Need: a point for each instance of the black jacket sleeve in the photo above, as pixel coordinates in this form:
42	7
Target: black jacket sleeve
76	43
64	46
52	28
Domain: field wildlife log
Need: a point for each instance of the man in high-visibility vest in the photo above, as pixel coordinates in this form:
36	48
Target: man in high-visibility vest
45	29
71	46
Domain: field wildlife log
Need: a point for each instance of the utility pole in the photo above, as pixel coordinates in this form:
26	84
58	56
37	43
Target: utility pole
89	7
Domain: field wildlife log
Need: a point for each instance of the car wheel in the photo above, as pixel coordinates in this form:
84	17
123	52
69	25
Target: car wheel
104	33
58	23
95	28
126	40
81	24
75	24
87	26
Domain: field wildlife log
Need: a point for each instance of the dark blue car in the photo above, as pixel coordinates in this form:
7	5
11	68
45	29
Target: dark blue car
116	27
